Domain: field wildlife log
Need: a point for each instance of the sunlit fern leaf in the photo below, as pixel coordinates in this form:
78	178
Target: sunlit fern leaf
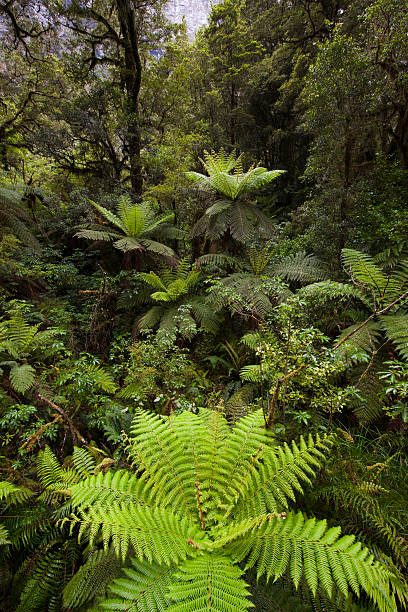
255	178
20	333
49	470
92	578
143	588
221	161
137	224
209	502
209	583
274	477
83	461
396	329
119	486
363	268
12	494
142	529
22	377
300	267
157	448
306	547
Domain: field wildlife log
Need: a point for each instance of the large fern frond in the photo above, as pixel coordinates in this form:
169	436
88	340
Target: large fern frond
152	533
271	477
300	267
92	578
144	588
209	583
11	494
306	547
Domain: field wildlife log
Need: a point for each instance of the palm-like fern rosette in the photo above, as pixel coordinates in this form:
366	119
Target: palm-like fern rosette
233	213
134	227
178	308
207	498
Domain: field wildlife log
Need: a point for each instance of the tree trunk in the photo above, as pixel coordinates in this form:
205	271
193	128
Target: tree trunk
131	79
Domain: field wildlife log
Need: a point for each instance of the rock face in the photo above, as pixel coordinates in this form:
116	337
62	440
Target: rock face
195	12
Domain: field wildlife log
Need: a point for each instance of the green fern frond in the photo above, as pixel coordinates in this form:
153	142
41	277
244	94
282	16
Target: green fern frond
300	267
106	489
364	340
4	536
22	377
221	161
12	495
271	477
364	271
141	528
144	588
97	235
306	547
217	260
210	582
83	461
396	330
92	578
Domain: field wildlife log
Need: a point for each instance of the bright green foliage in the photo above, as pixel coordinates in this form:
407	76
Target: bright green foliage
208	582
173	283
18	341
145	585
180	309
99	569
209	497
373	289
51	555
227	178
14	495
135	225
285	346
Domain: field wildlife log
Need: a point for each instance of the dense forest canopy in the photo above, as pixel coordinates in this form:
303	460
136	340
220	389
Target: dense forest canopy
204	307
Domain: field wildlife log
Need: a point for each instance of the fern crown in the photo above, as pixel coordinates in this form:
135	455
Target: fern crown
207	497
134	227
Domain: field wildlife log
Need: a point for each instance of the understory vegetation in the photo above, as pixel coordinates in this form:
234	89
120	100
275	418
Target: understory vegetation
204	307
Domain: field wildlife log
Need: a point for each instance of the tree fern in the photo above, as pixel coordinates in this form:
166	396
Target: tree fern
210	497
179	308
300	267
135	228
233	212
